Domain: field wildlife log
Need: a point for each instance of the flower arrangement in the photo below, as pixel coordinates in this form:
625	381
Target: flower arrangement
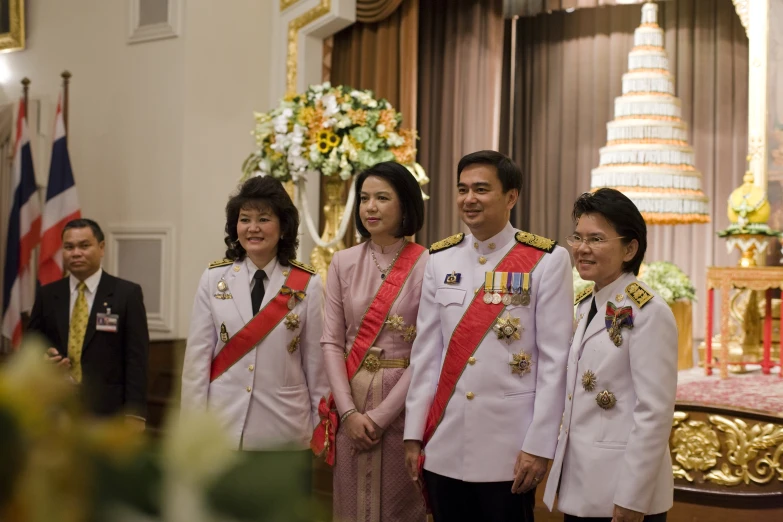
337	131
60	465
663	278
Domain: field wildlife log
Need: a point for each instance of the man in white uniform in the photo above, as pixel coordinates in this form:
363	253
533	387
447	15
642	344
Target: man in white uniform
488	365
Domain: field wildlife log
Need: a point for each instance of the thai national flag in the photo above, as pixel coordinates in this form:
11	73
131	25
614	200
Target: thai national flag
24	231
62	205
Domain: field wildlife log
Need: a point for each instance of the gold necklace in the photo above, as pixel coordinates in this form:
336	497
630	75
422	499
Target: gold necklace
385	271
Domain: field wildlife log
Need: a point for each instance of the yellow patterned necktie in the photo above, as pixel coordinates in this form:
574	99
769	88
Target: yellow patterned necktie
76	332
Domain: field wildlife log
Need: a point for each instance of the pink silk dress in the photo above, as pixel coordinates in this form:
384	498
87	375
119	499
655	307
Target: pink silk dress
371	486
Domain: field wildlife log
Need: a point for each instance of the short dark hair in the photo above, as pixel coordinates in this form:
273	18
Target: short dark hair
262	193
84	223
622	214
408	192
509	173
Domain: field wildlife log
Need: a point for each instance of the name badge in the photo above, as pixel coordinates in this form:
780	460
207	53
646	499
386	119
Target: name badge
106	322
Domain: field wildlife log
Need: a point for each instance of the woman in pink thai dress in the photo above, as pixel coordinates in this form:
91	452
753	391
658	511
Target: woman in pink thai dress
372	299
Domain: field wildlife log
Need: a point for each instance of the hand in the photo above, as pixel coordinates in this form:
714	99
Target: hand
53	356
529	470
412	453
361	430
626	515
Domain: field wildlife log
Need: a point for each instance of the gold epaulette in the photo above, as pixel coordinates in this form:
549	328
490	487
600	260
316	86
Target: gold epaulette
449	242
303	266
539	242
584	294
220	262
638	295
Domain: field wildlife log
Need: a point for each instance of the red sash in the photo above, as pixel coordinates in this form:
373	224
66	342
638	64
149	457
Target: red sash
471	330
259	326
370	328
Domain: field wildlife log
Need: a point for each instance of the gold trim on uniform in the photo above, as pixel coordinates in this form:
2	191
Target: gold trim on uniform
581	296
521	363
507	328
449	242
292	321
294	344
538	242
220	262
606	400
372	363
589	380
639	295
304	266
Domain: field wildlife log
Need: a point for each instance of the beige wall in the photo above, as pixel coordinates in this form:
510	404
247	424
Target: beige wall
158	130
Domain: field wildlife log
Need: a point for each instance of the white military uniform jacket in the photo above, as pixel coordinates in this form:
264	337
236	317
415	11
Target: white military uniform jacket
493	413
269	398
619	455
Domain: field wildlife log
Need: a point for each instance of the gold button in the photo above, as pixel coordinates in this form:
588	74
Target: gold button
475	244
491	246
249	389
569	396
482	260
236	269
470	396
250	368
285	273
472	360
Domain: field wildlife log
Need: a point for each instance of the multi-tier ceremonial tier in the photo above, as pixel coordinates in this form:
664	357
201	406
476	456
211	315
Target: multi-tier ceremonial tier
647	155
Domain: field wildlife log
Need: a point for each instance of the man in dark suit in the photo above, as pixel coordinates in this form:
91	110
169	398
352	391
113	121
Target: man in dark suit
97	326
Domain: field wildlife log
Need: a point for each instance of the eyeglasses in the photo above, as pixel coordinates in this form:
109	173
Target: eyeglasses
592	241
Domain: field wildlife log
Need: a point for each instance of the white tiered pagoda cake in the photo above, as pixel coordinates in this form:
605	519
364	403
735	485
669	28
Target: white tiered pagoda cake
647	156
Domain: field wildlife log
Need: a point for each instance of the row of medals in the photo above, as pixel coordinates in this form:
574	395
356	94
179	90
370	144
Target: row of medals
507	296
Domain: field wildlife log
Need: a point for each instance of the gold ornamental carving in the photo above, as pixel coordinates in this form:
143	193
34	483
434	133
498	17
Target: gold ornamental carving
308	17
333	213
285	4
744	444
751	454
14	39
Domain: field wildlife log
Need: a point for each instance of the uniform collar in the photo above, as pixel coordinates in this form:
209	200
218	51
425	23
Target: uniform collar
91	282
393	248
614	291
496	242
268	269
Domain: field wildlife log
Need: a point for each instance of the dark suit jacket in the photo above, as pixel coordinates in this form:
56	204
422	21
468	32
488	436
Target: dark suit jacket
114	365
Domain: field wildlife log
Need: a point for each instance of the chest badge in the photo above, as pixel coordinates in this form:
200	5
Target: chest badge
453	278
223	333
222	290
508	328
521	363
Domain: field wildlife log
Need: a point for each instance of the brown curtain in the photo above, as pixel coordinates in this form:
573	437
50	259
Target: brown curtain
461	60
369	11
568	72
534	7
382	56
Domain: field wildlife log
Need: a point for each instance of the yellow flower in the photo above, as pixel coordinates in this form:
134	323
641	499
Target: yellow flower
327	140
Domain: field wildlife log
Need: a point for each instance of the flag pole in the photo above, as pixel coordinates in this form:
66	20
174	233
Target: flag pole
25	94
66	76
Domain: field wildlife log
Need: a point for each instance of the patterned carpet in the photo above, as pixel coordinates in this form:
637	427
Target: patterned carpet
752	390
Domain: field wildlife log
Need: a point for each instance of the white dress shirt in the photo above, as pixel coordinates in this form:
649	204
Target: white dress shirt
89	292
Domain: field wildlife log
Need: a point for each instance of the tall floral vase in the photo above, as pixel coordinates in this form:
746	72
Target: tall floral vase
333	214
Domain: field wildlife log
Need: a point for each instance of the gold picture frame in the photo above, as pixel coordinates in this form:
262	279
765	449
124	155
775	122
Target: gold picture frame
11	25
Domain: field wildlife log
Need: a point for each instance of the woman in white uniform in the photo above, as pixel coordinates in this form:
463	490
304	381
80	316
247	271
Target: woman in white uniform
612	461
253	355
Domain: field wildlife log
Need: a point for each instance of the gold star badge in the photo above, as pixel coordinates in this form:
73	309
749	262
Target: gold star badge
507	328
606	400
521	363
395	322
410	334
293	345
292	321
589	380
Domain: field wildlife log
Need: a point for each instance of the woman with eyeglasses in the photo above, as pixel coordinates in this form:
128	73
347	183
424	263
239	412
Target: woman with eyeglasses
612	461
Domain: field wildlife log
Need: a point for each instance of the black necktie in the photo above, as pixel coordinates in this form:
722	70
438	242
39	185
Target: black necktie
257	293
591	313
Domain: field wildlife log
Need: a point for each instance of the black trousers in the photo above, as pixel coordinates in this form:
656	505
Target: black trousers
660	517
453	500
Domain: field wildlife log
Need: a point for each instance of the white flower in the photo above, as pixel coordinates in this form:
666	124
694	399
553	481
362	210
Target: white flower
345	175
395	140
288	113
380	128
329	123
343	122
371	103
345	107
330	105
